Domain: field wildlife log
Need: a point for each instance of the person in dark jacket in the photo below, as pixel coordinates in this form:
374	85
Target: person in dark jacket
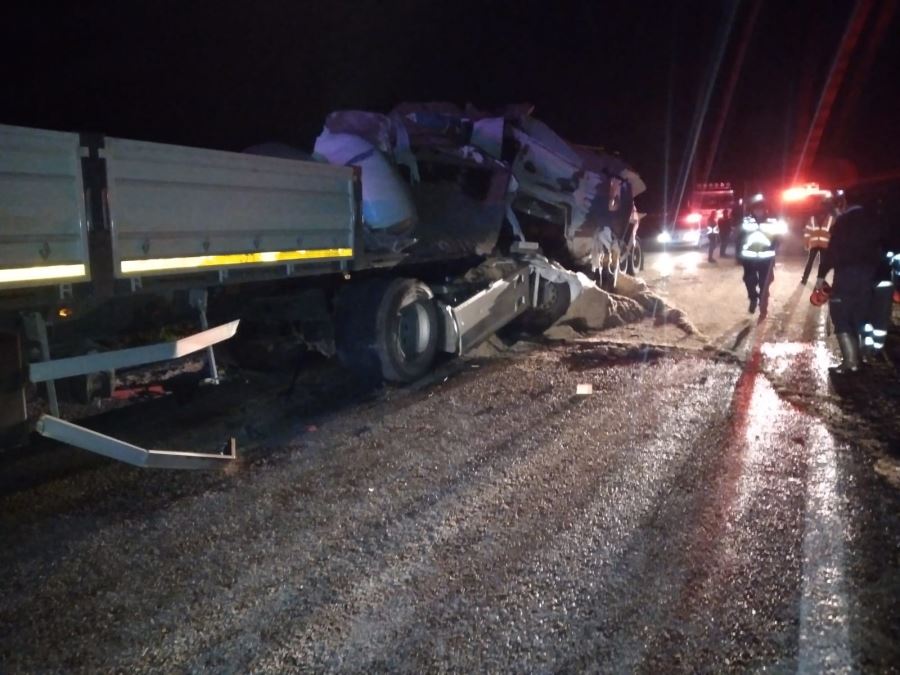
725	223
854	254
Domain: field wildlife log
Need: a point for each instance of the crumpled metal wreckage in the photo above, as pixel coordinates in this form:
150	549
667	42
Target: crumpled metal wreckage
438	180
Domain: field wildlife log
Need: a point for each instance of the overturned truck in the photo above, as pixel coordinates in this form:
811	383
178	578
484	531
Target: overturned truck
111	248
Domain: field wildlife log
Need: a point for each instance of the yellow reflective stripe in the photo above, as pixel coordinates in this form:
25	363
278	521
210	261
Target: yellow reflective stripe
231	259
47	272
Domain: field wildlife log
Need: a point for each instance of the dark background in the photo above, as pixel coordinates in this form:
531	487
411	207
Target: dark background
628	76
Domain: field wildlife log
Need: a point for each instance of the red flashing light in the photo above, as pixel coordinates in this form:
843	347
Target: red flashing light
801	192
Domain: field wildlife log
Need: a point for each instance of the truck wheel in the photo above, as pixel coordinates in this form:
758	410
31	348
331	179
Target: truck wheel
633	261
406	330
388	329
554	299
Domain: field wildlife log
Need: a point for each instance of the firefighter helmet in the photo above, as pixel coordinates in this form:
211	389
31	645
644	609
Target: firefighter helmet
820	295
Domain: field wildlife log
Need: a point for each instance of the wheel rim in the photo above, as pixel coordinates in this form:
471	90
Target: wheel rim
414	330
548	295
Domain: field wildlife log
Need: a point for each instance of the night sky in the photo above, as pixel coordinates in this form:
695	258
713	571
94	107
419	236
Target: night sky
627	76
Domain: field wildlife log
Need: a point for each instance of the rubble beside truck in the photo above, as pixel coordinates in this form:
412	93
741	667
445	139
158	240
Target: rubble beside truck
364	250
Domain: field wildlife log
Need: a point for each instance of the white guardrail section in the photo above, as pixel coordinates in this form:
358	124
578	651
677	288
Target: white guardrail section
43	225
175	209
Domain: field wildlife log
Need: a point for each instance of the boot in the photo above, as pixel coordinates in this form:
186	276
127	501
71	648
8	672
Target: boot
849	345
865	349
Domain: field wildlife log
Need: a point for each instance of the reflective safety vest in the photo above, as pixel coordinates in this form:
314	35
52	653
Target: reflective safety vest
817	236
759	239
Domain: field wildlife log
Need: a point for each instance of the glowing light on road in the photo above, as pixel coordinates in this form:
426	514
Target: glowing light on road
664	238
782	354
665	265
691	261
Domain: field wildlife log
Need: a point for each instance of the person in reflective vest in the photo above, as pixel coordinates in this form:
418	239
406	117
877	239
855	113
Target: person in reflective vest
854	255
816	236
712	231
758	243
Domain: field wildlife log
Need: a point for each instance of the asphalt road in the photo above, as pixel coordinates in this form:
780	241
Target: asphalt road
702	510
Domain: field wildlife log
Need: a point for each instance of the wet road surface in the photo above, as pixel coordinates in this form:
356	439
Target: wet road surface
697	511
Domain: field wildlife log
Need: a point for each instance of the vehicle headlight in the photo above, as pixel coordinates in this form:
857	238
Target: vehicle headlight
693	235
664	237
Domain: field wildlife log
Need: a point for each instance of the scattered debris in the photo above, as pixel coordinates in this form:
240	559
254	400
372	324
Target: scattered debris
889	469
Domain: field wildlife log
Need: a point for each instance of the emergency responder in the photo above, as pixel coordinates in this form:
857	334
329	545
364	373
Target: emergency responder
712	230
725	223
875	331
758	243
816	235
853	253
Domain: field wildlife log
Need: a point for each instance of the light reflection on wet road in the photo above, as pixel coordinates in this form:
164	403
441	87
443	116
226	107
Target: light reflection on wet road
773	426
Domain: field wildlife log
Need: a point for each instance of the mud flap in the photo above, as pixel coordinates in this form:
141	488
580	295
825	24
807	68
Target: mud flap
81	437
58	429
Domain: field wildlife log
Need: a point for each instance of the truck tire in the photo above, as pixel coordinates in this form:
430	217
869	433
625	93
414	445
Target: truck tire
633	261
388	329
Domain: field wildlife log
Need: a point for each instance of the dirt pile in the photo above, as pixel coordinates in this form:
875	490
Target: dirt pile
595	309
653	305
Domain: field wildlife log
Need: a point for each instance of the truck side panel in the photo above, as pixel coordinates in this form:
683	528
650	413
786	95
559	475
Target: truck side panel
174	210
43	224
